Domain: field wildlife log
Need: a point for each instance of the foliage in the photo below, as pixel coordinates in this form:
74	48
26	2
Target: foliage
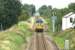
48	12
24	29
45	11
9	12
10	41
60	38
72	7
27	11
59	41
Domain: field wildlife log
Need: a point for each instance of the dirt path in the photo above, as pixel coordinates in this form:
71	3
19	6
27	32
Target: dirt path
40	41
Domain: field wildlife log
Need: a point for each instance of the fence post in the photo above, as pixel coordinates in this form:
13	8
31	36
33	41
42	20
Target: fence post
66	45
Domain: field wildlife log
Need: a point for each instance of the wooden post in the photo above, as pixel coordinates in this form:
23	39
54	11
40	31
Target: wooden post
66	45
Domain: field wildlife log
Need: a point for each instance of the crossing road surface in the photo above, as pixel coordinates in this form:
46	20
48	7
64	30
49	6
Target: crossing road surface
40	41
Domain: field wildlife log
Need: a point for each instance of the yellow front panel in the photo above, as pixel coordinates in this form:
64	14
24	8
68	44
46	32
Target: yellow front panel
39	26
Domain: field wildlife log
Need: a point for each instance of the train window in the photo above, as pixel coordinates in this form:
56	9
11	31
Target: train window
39	21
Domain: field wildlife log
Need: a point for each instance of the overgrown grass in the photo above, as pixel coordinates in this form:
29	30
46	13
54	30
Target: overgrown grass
60	38
59	41
13	40
10	41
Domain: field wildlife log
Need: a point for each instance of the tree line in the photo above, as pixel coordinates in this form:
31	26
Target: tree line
12	11
48	12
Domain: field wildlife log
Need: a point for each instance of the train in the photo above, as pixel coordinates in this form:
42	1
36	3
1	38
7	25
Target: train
37	24
40	25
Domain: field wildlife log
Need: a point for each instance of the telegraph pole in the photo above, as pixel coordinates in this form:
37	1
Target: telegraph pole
53	25
53	21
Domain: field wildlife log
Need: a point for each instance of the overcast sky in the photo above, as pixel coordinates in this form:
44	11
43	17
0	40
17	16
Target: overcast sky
55	3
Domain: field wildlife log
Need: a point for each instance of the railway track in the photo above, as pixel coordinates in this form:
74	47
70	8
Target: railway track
39	41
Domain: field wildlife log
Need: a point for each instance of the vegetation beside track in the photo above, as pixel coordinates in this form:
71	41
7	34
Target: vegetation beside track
15	38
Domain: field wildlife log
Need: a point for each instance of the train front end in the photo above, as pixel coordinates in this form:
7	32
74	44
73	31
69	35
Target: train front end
39	25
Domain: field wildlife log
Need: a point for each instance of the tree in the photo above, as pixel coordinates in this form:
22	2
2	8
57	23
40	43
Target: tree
60	13
32	10
48	12
44	11
72	7
27	11
9	12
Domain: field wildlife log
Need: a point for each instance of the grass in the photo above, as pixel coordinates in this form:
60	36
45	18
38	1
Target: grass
65	35
18	35
59	41
60	37
10	41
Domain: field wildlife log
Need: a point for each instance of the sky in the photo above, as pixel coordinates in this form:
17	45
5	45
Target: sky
54	3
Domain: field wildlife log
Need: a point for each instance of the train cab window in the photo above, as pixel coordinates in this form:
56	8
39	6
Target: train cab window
39	21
